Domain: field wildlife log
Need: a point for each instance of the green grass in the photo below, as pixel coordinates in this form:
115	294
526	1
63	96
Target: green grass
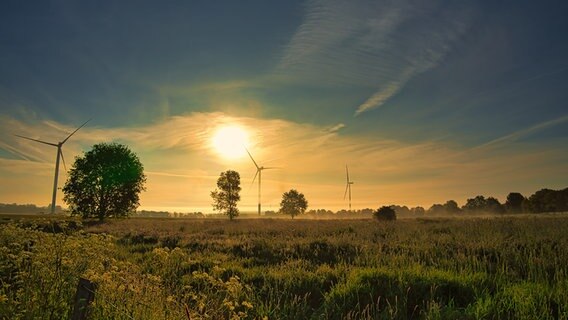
493	268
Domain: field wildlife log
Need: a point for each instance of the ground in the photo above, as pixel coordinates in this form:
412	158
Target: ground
506	267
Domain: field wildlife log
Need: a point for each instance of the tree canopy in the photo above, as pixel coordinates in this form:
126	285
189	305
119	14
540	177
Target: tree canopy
480	204
451	206
547	200
385	213
293	203
514	203
105	182
227	195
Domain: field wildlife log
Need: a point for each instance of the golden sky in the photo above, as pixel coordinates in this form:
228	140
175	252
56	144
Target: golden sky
182	164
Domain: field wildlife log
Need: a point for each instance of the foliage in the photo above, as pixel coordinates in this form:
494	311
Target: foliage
401	210
514	203
451	207
385	213
418	211
436	209
226	197
293	203
105	182
26	208
480	204
547	200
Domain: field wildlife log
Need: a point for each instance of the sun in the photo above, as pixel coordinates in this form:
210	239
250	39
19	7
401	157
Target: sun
230	141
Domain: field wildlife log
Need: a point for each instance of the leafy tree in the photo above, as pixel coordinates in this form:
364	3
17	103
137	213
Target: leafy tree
418	211
105	182
225	198
385	213
514	203
547	200
436	209
482	204
451	207
400	210
293	203
493	205
476	204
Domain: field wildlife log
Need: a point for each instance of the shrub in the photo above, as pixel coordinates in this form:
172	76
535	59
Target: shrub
385	213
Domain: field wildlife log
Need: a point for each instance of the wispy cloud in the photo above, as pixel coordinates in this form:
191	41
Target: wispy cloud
182	166
384	93
379	44
336	127
521	133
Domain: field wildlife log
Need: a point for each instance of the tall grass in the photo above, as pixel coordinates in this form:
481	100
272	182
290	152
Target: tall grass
500	268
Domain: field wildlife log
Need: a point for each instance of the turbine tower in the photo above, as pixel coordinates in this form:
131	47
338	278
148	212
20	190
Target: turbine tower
59	155
348	187
259	173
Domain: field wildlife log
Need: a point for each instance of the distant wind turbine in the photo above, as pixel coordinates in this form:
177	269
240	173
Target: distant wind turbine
259	173
348	187
59	155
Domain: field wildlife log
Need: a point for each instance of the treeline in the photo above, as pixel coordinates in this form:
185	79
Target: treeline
167	214
544	200
26	208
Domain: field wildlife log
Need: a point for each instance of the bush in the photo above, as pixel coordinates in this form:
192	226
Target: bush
385	213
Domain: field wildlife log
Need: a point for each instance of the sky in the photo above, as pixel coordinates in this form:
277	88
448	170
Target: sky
424	101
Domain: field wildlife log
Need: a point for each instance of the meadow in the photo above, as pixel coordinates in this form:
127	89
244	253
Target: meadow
506	267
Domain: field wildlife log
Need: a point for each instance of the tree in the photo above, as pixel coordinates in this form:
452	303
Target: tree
514	203
451	207
547	200
293	203
226	197
476	204
418	211
436	209
481	204
493	205
105	182
400	210
385	213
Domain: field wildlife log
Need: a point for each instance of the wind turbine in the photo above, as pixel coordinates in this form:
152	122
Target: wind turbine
348	187
259	173
59	155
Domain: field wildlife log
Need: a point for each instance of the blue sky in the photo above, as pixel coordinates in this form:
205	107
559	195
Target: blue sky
456	98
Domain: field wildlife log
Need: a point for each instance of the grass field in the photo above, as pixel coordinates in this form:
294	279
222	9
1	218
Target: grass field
482	268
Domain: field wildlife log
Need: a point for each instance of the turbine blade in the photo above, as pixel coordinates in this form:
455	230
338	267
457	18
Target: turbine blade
345	194
72	133
256	165
253	179
263	168
48	143
347	171
63	159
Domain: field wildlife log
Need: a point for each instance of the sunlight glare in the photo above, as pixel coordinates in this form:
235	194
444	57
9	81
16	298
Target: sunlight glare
230	141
